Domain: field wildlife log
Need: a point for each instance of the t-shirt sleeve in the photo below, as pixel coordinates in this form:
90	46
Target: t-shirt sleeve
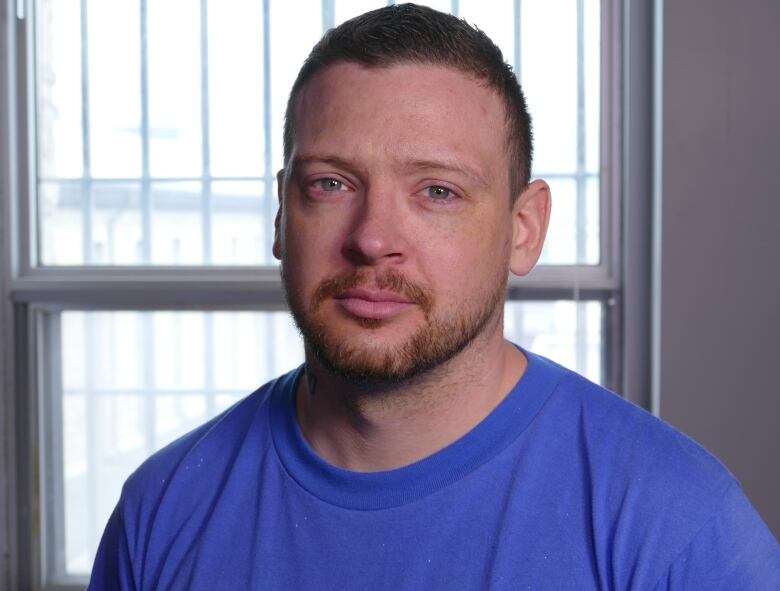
733	550
113	568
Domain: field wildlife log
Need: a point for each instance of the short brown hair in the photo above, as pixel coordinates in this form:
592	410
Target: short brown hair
410	33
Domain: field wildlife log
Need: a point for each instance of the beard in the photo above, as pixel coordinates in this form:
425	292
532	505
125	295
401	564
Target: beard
440	337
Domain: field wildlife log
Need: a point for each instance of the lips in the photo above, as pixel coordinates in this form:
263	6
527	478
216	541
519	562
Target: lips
372	304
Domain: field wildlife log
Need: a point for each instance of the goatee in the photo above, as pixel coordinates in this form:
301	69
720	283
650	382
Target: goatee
437	340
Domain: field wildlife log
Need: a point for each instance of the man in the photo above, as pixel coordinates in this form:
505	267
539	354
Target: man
417	449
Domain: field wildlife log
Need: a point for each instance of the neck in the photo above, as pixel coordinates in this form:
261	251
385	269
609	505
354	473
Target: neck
370	431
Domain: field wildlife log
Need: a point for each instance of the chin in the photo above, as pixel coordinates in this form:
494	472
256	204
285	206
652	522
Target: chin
378	355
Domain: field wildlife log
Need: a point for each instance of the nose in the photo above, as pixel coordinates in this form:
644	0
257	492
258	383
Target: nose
376	234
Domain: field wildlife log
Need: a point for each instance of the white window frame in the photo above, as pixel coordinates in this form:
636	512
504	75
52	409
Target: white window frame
29	291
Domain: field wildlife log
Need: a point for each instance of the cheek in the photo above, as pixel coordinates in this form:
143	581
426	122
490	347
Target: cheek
473	259
308	238
310	251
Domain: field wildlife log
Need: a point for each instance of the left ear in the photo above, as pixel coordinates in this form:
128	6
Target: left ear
530	218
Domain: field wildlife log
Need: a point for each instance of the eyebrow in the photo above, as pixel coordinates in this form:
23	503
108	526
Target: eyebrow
301	159
448	165
414	165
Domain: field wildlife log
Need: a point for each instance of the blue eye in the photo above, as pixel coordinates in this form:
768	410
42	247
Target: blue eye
329	185
439	193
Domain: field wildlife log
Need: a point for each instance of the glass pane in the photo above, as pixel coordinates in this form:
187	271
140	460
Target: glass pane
573	234
495	22
347	9
177	223
590	233
442	5
548	72
62	209
567	332
235	71
128	383
240	235
117	232
59	89
292	38
560	247
592	71
232	89
114	108
174	64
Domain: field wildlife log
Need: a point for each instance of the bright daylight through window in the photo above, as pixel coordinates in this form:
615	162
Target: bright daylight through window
157	132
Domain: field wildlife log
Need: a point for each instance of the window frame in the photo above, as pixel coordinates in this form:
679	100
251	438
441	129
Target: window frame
29	291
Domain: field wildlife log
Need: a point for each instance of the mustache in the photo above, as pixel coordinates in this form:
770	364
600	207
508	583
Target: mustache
389	280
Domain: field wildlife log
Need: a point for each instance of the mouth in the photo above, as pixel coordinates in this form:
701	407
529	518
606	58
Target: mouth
375	304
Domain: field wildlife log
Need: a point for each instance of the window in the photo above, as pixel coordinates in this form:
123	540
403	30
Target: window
143	163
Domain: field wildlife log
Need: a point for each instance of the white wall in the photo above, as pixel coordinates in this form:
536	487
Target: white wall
720	264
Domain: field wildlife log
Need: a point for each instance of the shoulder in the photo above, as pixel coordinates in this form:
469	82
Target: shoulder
628	446
169	497
652	493
215	444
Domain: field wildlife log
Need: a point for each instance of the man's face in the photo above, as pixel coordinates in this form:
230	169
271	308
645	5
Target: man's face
396	224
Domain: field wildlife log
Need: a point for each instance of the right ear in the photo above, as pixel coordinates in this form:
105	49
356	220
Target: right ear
277	247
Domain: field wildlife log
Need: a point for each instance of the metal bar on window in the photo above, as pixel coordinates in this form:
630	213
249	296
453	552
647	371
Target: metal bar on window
268	173
86	186
53	504
206	200
581	346
455	7
581	212
518	38
270	202
91	343
147	356
146	208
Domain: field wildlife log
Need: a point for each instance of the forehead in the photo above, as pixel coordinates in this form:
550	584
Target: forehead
404	110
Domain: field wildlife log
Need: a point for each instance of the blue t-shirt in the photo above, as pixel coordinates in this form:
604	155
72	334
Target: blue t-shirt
564	486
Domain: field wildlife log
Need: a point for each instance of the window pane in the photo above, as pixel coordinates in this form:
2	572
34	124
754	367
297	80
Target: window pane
61	211
174	65
177	223
127	383
292	37
113	49
494	22
59	89
591	70
208	116
117	218
236	99
548	72
239	234
346	9
567	332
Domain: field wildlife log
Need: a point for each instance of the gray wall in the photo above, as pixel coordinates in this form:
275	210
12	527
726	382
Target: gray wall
720	264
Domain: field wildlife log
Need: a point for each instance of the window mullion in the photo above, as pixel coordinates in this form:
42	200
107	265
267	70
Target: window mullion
517	40
268	172
146	207
581	207
87	204
206	202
